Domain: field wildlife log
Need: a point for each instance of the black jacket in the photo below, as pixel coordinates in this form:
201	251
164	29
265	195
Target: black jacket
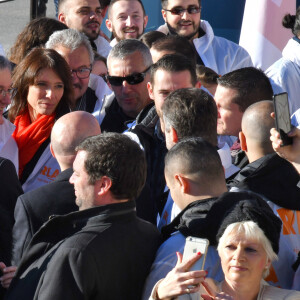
153	141
10	190
115	120
34	208
103	252
272	177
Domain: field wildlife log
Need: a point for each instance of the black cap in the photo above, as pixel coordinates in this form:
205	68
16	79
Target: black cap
251	207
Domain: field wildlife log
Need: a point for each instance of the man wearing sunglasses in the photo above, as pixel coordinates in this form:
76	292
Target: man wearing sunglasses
171	72
128	74
182	17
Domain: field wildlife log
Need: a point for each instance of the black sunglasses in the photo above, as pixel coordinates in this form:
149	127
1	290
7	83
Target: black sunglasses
131	79
179	10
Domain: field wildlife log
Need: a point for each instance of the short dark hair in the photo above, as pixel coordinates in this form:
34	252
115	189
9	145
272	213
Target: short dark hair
174	63
251	84
5	63
293	22
164	3
191	112
98	57
118	157
206	75
112	2
196	156
104	3
148	38
176	44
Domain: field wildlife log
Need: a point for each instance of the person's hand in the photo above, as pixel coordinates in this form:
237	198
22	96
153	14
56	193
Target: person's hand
180	281
8	274
289	152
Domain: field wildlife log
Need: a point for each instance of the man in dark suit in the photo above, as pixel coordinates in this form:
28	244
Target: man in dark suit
57	198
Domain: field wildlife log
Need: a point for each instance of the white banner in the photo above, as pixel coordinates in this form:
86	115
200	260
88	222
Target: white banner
262	33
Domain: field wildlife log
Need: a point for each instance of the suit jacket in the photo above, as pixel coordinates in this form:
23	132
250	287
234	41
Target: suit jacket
34	208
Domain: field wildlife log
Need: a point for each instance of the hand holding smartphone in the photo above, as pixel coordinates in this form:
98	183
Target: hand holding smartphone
194	245
282	117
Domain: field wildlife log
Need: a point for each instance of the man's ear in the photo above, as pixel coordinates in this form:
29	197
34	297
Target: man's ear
164	15
103	185
62	18
150	90
108	24
174	136
183	183
52	152
145	21
243	141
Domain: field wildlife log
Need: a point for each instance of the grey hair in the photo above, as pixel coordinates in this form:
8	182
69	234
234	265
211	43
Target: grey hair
251	231
127	47
5	63
72	39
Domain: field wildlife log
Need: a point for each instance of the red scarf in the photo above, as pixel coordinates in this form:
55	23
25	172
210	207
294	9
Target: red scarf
30	136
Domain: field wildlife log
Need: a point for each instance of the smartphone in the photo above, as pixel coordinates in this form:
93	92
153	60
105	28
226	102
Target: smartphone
282	117
194	245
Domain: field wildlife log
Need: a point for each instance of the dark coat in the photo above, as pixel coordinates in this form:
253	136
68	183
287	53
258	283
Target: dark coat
103	252
152	139
115	120
10	190
272	177
34	208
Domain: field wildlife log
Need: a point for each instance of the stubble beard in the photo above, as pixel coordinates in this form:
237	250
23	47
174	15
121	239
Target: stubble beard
174	31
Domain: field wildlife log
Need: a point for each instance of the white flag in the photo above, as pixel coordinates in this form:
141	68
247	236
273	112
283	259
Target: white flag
262	33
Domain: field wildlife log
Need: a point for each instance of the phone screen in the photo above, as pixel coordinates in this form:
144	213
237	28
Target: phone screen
282	117
194	245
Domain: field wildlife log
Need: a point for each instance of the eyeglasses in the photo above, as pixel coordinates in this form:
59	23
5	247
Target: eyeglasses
82	73
9	92
131	79
180	11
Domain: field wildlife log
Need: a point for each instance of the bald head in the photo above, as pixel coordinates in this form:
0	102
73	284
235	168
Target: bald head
257	123
68	132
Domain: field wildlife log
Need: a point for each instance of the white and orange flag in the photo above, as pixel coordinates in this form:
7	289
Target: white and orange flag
262	33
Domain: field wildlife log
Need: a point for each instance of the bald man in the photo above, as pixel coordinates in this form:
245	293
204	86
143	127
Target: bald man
276	180
57	198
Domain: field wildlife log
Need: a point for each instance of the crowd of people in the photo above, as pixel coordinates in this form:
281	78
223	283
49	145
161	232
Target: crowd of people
114	150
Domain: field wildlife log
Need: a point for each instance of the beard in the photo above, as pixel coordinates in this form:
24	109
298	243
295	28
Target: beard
120	38
92	34
174	31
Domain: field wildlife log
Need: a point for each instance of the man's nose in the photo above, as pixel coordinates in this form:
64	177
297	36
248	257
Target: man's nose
126	86
184	15
129	21
95	16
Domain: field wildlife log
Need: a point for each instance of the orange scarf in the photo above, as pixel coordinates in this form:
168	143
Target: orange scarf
30	136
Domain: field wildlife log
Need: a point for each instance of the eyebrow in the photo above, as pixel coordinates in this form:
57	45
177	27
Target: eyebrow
89	7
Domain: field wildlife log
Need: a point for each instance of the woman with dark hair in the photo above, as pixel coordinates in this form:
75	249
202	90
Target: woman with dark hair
35	34
42	90
284	74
